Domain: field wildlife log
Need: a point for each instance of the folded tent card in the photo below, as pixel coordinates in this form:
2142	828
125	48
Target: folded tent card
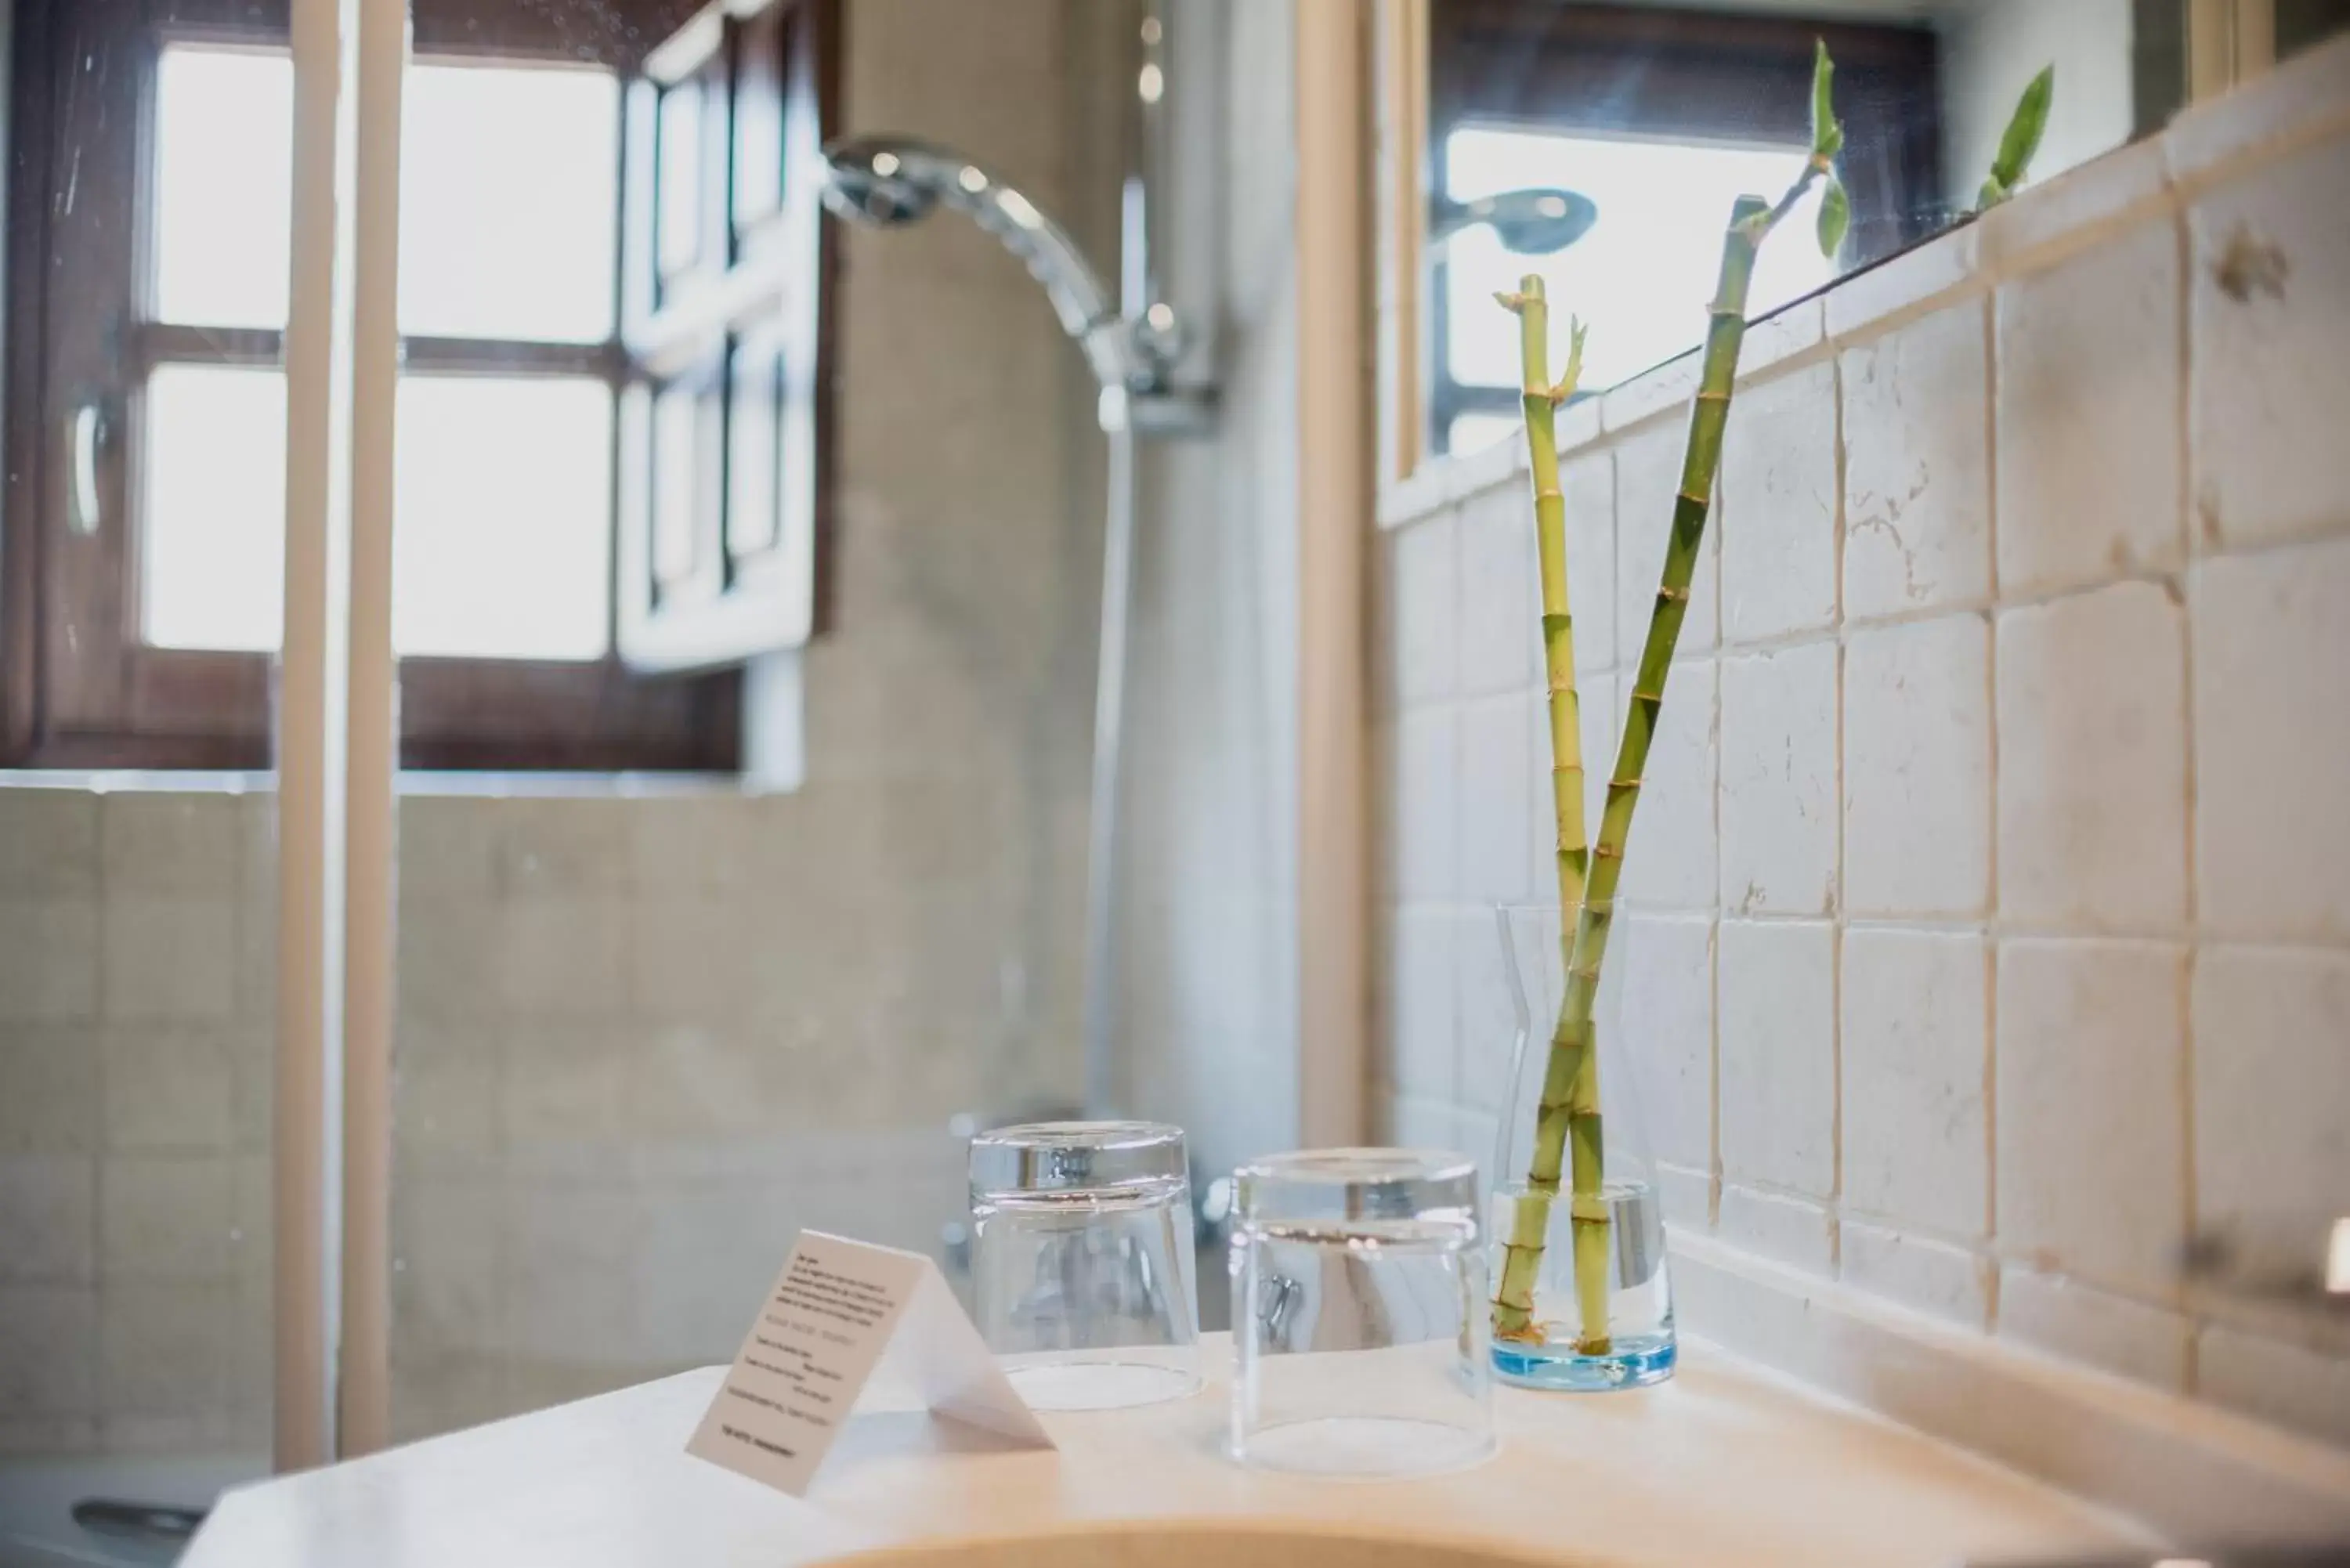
838	1306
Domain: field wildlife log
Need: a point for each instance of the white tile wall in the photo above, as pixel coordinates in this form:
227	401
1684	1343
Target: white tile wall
2272	1101
1778	801
1497	788
1932	1276
1916	469
1667	963
2093	760
1778	518
2087	417
1426	592
2273	742
1778	1055
2271	341
2088	1024
1918	769
52	1099
1496	564
1775	1225
1916	1122
1986	927
48	1219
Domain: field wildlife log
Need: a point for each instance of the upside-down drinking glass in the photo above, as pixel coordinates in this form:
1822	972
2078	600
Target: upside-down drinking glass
1358	1314
1083	1278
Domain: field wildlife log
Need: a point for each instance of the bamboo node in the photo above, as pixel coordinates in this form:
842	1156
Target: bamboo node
1606	851
1585	1209
1667	591
1692	500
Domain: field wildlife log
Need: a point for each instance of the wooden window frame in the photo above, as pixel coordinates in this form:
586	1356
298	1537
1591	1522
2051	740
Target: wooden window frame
757	294
1701	75
77	687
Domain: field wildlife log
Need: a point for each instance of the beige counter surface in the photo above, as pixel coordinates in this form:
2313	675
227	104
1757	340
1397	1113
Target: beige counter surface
1723	1464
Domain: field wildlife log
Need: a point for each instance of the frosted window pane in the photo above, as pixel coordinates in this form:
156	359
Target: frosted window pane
503	523
224	178
211	567
1644	273
680	177
508	201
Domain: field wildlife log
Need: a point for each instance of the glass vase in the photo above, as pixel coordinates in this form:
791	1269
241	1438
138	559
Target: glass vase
1622	1274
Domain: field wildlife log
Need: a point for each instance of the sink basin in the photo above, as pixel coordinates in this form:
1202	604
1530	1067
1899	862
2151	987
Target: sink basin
1186	1544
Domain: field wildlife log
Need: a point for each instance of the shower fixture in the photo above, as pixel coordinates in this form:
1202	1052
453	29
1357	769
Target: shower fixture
892	182
1530	222
1132	346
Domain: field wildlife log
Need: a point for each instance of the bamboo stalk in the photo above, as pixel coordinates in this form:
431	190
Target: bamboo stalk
1569	1112
1573	1056
1513	1302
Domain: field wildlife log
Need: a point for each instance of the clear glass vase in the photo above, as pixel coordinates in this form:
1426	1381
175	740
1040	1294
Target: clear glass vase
1623	1231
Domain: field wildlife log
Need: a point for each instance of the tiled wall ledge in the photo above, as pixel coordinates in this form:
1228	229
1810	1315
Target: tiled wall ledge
1987	920
2189	1471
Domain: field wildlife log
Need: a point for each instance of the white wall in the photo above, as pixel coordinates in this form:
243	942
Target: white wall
1207	901
639	1039
1985	907
1209	836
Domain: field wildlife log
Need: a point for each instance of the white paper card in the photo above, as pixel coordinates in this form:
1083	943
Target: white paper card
838	1305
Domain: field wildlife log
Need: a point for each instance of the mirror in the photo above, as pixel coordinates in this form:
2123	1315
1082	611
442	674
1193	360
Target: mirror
1640	122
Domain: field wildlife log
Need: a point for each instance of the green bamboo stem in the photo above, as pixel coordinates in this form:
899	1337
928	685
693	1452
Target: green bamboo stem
1572	1078
1556	1121
1567	1123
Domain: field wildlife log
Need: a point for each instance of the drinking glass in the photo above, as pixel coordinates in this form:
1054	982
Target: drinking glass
1083	1279
1359	1329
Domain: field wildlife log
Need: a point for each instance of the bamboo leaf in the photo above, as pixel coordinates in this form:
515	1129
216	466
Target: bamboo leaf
1827	136
1572	376
1835	216
2022	138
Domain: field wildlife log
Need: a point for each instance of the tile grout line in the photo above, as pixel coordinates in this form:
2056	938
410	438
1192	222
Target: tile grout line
1990	1274
1840	874
2191	1221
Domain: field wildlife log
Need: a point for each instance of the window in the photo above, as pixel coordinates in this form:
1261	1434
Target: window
143	603
1662	118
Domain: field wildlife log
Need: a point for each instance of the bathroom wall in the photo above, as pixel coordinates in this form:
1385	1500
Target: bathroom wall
642	1037
1207	911
136	987
1985	933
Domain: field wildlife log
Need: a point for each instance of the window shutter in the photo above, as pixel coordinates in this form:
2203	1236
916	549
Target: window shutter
722	447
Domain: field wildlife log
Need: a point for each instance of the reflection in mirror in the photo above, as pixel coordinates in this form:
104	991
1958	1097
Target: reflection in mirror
1660	115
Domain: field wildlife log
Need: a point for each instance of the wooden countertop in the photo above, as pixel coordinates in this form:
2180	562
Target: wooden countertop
1725	1463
